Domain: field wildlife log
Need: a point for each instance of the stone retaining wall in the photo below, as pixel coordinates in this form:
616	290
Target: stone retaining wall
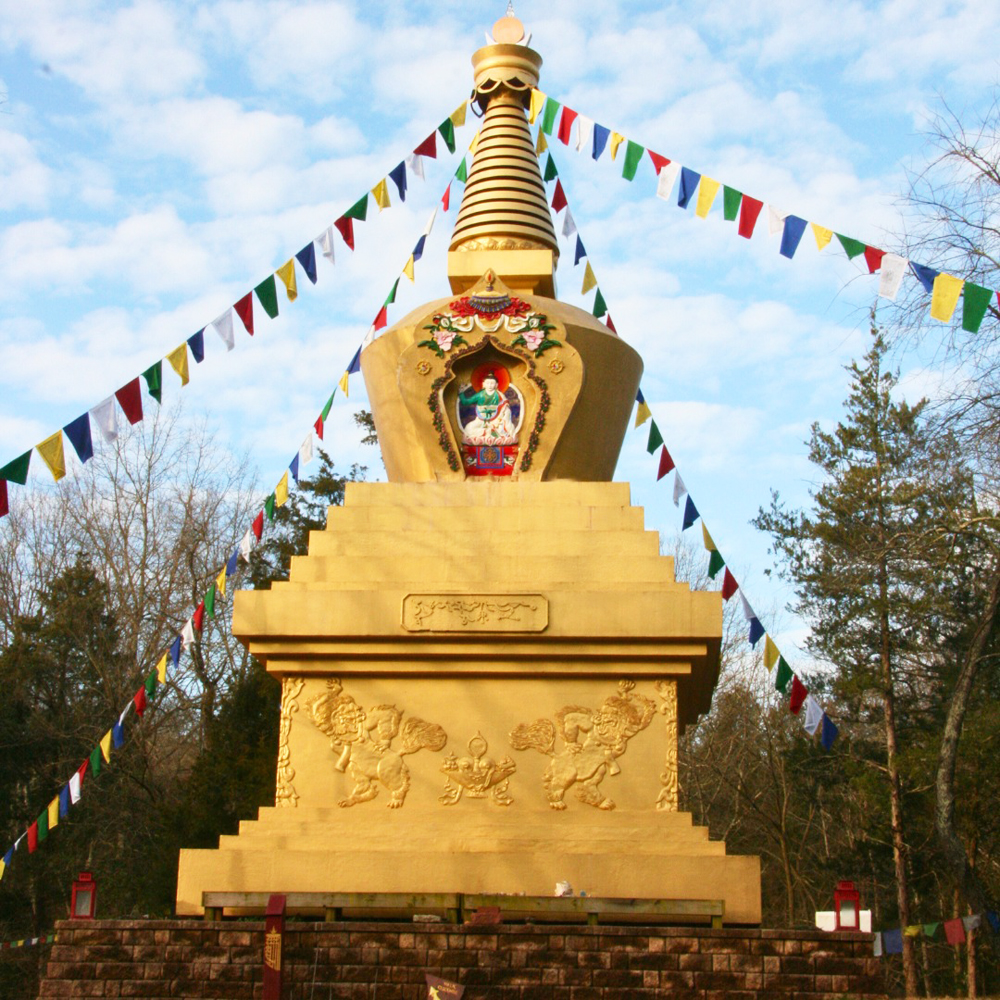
387	961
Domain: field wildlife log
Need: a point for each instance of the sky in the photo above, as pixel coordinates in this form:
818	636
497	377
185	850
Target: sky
159	158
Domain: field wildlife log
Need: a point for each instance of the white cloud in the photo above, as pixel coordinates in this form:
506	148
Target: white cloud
26	180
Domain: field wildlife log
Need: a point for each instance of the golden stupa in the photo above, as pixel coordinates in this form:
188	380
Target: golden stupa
485	662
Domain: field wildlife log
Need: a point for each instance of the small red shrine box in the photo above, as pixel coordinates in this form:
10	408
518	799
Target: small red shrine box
83	903
274	946
847	906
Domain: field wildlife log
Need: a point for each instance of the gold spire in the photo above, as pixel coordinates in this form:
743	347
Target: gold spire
504	222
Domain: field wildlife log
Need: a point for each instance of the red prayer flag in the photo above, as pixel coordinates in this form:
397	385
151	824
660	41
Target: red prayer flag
82	771
798	695
954	931
566	124
666	464
611	326
729	585
446	200
873	258
198	618
129	398
139	700
428	147
244	309
659	162
749	210
319	427
4	508
258	525
33	838
559	198
382	319
345	227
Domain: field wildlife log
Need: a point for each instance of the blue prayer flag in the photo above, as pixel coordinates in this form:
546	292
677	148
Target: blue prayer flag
398	175
639	397
118	735
175	649
600	139
418	250
294	468
689	184
78	431
792	234
580	252
355	365
8	856
197	344
829	732
233	562
756	631
307	258
64	802
690	513
925	275
991	916
892	941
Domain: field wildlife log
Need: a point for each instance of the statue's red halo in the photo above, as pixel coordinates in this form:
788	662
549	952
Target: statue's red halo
501	373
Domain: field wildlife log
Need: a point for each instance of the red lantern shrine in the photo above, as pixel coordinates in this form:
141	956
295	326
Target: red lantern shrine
847	906
83	905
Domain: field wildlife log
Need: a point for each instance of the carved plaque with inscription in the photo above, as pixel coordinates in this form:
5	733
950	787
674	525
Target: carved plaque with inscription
475	613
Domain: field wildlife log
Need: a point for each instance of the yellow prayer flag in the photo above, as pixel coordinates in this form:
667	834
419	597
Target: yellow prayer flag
106	746
342	384
408	268
2	867
51	450
944	298
709	544
381	195
458	115
642	414
770	653
54	813
287	274
281	491
707	191
542	144
589	279
616	141
537	103
474	144
161	670
914	930
178	359
220	582
822	234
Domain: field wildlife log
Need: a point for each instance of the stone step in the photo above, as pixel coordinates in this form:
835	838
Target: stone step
513	521
488	493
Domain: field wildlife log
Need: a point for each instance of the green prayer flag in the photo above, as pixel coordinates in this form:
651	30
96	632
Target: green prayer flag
930	930
391	297
715	563
154	380
975	301
269	506
600	306
359	210
267	292
329	404
447	130
783	677
462	174
151	683
95	761
633	154
853	248
731	199
549	113
550	170
210	598
655	438
17	471
43	825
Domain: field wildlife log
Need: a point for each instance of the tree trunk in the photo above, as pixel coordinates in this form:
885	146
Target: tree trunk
944	814
970	951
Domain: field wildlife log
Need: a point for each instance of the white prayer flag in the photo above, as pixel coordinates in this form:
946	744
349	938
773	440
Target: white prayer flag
326	244
970	923
878	944
665	180
569	224
416	164
74	788
585	129
224	328
891	275
430	222
747	610
125	711
187	634
106	417
679	489
306	450
246	543
775	221
369	337
814	715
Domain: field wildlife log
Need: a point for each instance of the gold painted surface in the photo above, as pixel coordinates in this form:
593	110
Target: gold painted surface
475	613
478	775
669	797
284	793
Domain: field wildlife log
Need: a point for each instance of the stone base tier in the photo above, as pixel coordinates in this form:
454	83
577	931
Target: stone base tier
201	959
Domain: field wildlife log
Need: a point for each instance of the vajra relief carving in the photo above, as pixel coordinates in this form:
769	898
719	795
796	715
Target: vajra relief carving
363	741
669	797
593	740
478	775
284	793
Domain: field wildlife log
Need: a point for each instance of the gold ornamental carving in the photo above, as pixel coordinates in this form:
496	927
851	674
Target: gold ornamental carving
272	950
475	613
284	793
363	743
593	740
669	797
501	243
478	775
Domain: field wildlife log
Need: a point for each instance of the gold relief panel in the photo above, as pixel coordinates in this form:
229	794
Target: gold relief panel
475	613
669	797
362	741
284	794
478	775
592	742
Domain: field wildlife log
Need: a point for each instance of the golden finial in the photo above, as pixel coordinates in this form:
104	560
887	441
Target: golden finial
509	30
